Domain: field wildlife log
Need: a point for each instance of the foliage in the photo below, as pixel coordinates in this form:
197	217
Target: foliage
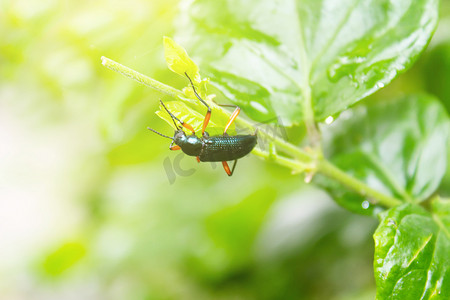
94	205
396	148
397	145
342	51
411	252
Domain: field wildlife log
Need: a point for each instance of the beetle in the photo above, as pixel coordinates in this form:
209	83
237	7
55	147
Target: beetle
210	148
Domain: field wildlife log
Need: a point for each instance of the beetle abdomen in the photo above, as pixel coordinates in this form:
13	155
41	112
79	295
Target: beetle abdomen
225	148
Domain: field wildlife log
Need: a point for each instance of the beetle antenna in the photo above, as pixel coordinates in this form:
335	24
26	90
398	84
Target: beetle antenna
171	115
160	133
195	92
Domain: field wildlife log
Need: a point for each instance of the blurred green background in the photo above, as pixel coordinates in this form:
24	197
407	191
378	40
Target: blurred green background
94	206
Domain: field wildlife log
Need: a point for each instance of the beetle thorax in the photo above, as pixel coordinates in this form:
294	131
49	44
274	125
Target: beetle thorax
191	144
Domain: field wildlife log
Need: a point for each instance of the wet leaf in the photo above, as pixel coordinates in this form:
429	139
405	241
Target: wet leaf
265	54
397	147
412	249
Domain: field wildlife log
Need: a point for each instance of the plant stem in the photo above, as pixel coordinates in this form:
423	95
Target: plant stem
141	78
288	148
308	113
375	197
295	166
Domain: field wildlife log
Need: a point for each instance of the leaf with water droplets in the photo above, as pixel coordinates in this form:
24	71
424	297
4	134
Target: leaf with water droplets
397	147
265	55
412	249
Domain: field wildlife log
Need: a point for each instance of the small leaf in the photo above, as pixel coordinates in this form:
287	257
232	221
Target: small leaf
192	117
396	147
264	55
412	249
178	60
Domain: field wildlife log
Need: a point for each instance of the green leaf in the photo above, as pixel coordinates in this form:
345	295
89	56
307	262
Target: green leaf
194	118
179	61
63	258
266	56
233	230
397	147
436	72
412	249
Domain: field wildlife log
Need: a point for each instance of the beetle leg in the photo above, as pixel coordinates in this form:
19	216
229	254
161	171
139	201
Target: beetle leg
174	147
232	118
188	127
206	120
227	168
234	166
198	159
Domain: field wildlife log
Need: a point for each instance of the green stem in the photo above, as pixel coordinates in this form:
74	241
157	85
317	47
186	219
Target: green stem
375	197
294	165
141	78
281	144
308	113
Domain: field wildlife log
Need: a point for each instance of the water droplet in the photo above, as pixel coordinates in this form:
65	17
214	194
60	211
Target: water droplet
365	204
392	223
344	66
380	85
308	177
329	120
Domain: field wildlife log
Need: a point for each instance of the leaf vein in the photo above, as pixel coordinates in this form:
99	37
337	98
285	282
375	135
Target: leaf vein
429	266
419	250
302	55
335	33
384	171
